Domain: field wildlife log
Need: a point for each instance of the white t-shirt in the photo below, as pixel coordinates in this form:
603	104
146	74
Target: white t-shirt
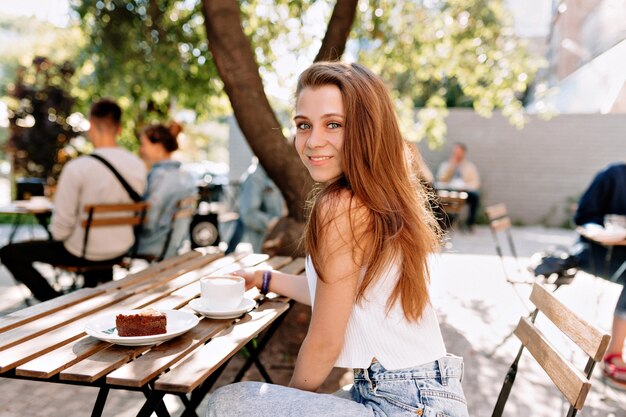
86	180
390	338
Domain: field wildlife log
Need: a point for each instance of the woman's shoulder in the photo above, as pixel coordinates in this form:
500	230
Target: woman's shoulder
343	208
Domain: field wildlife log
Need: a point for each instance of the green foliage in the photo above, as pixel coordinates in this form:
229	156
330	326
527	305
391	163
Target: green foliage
25	38
39	119
436	54
446	53
151	56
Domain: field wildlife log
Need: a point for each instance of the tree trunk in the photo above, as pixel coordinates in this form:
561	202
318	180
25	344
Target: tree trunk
239	71
338	30
234	59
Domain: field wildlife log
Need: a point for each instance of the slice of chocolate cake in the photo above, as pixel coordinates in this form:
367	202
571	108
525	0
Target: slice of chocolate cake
146	322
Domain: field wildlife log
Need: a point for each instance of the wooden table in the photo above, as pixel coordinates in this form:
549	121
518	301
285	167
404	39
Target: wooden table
47	342
609	251
21	208
451	202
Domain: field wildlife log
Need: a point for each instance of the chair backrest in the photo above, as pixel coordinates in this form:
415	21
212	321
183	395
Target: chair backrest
498	217
573	383
499	221
106	215
185	209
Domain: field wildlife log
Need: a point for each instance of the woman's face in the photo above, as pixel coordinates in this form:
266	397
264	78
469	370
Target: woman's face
320	121
150	152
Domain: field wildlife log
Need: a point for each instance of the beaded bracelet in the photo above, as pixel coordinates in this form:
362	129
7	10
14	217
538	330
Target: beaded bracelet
265	283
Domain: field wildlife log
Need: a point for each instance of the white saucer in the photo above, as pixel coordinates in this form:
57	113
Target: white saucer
103	327
198	305
602	235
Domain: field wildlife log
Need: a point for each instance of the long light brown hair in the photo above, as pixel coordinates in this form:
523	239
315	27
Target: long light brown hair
399	225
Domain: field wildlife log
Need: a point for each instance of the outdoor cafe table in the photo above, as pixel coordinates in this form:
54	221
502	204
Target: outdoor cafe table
24	208
47	342
609	245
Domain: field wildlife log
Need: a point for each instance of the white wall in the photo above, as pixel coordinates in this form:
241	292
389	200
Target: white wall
535	170
240	154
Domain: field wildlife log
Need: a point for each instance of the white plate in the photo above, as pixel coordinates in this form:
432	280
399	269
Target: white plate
198	305
178	322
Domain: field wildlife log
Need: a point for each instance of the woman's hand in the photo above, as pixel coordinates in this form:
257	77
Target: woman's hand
251	276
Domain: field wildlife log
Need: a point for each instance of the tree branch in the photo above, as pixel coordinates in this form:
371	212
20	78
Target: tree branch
334	42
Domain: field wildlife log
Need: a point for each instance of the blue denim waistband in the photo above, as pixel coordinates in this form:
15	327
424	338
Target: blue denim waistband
449	366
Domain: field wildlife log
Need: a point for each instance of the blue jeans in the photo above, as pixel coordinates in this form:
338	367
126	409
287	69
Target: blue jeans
430	390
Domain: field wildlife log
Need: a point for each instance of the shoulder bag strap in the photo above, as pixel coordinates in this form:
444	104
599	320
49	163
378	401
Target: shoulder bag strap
132	193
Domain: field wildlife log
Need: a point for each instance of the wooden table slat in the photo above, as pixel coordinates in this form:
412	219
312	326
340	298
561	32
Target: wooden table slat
52	363
295	267
192	371
253	259
53	321
194	264
97	365
145	368
150	271
31	313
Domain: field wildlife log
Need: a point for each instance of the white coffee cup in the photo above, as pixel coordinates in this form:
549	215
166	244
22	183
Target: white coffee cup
222	292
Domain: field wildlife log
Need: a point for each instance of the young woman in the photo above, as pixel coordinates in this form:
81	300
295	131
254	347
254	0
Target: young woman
368	236
167	184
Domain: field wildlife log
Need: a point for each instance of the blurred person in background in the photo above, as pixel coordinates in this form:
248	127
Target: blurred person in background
86	180
167	184
260	206
458	173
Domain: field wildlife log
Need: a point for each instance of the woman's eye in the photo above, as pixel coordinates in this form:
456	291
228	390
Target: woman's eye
302	126
334	125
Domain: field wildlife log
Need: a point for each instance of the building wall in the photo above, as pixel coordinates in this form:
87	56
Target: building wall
582	31
538	171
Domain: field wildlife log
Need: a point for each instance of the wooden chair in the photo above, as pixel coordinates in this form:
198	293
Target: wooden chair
500	222
107	215
572	383
452	203
185	209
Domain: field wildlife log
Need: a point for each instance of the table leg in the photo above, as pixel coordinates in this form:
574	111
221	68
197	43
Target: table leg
619	272
255	352
17	220
100	401
199	393
154	404
607	260
44	219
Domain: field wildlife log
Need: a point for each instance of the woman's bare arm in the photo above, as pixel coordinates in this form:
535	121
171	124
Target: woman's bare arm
334	299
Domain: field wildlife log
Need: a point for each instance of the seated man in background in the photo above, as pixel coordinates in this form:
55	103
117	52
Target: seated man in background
457	173
167	184
85	180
